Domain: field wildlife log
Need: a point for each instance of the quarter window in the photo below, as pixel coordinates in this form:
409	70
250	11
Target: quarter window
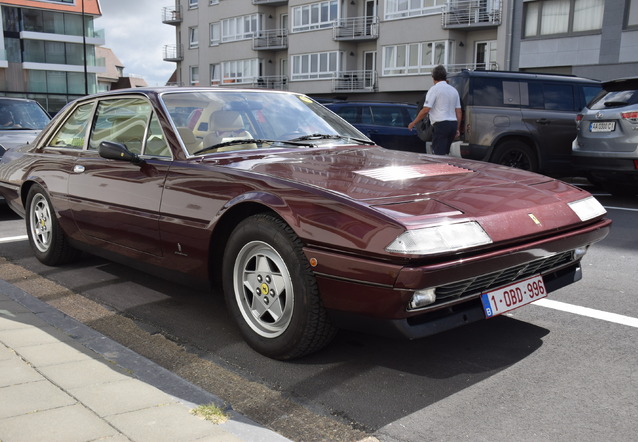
73	132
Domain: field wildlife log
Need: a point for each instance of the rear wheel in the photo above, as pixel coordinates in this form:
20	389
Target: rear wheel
514	153
49	243
271	290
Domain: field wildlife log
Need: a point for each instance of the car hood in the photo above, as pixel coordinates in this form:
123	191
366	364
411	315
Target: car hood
417	190
14	138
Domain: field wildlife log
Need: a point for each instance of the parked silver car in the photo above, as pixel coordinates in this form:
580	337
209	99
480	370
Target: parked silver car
21	121
606	146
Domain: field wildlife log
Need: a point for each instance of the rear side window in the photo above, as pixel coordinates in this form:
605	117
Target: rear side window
388	116
552	96
487	92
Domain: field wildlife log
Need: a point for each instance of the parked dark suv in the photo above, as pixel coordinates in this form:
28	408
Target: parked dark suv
520	119
384	123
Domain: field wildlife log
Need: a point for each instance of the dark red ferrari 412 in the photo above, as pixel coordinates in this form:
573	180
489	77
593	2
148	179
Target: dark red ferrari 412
304	223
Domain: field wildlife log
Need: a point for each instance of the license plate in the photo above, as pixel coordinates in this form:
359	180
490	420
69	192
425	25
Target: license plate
513	296
602	126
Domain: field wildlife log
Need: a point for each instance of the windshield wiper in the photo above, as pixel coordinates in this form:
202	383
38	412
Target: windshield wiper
331	137
615	103
251	141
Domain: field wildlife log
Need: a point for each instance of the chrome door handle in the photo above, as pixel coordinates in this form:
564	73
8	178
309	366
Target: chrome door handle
78	168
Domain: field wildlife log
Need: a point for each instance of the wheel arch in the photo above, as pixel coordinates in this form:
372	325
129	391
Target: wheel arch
519	137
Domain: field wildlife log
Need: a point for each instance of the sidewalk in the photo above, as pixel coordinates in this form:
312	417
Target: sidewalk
63	381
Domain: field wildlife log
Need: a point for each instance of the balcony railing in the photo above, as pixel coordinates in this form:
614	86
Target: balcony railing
264	82
471	13
172	15
356	28
472	67
354	81
270	2
173	53
272	39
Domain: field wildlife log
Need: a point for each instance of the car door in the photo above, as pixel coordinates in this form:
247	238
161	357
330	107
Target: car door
118	201
389	128
551	119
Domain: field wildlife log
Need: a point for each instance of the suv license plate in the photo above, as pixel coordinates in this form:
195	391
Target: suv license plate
513	296
602	126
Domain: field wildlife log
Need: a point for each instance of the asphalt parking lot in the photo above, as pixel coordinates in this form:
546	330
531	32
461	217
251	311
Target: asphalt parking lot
561	369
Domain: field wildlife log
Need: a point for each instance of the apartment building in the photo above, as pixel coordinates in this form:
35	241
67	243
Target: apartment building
47	52
386	49
590	38
357	49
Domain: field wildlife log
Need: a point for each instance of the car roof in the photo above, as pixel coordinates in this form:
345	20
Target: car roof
368	103
524	75
15	99
621	83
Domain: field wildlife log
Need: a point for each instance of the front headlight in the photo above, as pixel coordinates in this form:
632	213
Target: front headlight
587	208
438	239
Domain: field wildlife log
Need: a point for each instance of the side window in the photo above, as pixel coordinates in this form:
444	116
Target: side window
366	115
73	131
559	97
487	92
349	113
123	121
387	116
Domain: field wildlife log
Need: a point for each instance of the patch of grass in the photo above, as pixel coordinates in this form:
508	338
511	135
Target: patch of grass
211	412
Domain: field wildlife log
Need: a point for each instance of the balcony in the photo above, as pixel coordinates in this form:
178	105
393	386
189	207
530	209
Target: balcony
472	67
471	14
356	28
354	81
172	15
173	53
272	40
270	2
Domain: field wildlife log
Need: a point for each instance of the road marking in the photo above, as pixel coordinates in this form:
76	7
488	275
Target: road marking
621	208
590	312
14	238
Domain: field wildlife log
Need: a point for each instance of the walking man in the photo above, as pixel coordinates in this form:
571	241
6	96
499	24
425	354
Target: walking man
443	104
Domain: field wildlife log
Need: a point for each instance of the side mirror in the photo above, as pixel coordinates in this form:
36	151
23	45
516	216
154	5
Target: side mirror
117	151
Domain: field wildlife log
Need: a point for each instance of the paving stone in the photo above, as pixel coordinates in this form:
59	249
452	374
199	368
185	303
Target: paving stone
32	397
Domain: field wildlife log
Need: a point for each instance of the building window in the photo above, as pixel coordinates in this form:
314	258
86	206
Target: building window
240	71
192	4
411	8
632	13
241	28
415	58
213	2
193	39
319	65
215	34
314	16
545	17
194	75
215	74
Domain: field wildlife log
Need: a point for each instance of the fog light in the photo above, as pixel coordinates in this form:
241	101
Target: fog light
422	298
580	252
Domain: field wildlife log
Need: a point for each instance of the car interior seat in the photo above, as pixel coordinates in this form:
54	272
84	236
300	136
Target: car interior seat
227	125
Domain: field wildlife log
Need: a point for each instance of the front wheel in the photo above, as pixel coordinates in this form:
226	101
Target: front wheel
49	243
271	291
514	153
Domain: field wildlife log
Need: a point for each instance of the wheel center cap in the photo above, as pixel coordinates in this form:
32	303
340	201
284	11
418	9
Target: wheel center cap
264	289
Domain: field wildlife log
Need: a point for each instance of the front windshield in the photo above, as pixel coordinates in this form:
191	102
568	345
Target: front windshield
22	114
219	120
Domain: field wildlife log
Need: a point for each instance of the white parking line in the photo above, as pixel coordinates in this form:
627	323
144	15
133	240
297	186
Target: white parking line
14	238
590	312
621	208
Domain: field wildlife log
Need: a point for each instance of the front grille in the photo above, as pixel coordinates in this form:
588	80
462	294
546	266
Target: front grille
483	283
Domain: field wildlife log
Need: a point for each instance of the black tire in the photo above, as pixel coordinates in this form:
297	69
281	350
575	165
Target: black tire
514	153
49	243
271	291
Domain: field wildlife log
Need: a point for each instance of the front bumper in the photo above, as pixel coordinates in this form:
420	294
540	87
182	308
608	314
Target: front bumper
361	294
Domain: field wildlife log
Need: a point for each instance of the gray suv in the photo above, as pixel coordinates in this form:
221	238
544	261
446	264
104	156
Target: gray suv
520	119
606	148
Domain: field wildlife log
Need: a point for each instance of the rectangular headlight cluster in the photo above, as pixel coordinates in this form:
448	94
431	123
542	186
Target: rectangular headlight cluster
588	208
439	239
